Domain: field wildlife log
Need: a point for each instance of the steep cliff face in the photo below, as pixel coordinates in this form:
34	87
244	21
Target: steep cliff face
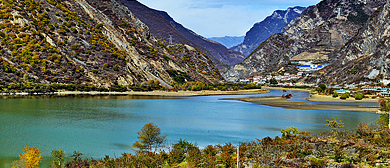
317	31
97	42
366	55
270	25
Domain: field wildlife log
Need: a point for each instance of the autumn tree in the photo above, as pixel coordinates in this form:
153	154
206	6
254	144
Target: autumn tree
289	131
334	125
30	158
149	137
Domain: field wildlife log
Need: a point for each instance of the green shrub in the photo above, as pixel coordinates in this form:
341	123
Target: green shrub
359	96
94	71
74	46
335	94
100	25
116	67
344	96
61	31
51	27
321	87
105	65
74	30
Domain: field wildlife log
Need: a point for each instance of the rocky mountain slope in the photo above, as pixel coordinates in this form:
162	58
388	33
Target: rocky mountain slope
162	25
229	41
366	55
270	25
89	42
317	31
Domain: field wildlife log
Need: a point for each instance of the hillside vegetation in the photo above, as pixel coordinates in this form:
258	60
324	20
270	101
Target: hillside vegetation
99	43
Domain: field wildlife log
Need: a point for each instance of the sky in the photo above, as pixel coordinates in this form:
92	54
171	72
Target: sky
218	18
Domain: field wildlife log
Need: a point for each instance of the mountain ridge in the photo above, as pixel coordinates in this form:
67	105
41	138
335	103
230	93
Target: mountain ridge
163	25
272	24
363	58
317	30
228	41
85	42
223	54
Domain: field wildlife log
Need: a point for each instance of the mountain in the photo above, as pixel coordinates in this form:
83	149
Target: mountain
228	41
90	42
316	34
162	25
365	57
270	25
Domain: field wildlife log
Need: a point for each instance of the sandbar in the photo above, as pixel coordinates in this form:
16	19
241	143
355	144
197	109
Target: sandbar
285	103
328	98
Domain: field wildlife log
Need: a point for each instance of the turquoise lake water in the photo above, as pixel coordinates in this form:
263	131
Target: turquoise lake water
108	125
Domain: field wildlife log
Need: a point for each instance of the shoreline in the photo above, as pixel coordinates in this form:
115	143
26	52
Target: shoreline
151	93
285	103
325	98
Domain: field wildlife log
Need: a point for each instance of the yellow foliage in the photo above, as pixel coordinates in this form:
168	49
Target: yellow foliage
31	156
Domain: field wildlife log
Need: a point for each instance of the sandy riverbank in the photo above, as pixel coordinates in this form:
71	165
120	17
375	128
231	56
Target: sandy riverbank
285	103
329	98
157	93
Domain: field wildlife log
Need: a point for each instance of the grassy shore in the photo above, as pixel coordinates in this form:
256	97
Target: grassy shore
329	98
156	93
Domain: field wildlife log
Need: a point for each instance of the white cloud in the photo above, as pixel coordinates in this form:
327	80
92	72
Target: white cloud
213	18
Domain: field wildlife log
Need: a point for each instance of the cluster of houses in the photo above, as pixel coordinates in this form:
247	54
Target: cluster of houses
306	66
260	80
373	90
382	91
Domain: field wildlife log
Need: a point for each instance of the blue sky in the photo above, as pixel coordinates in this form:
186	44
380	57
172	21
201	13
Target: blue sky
216	18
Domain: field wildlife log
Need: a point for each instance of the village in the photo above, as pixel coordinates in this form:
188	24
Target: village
306	67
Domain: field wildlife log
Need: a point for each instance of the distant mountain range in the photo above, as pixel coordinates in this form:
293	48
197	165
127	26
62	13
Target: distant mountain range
228	41
270	25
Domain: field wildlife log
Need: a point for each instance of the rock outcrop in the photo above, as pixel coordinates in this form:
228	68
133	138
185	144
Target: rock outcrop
366	53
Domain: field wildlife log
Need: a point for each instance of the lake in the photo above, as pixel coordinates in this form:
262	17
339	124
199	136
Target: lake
108	125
